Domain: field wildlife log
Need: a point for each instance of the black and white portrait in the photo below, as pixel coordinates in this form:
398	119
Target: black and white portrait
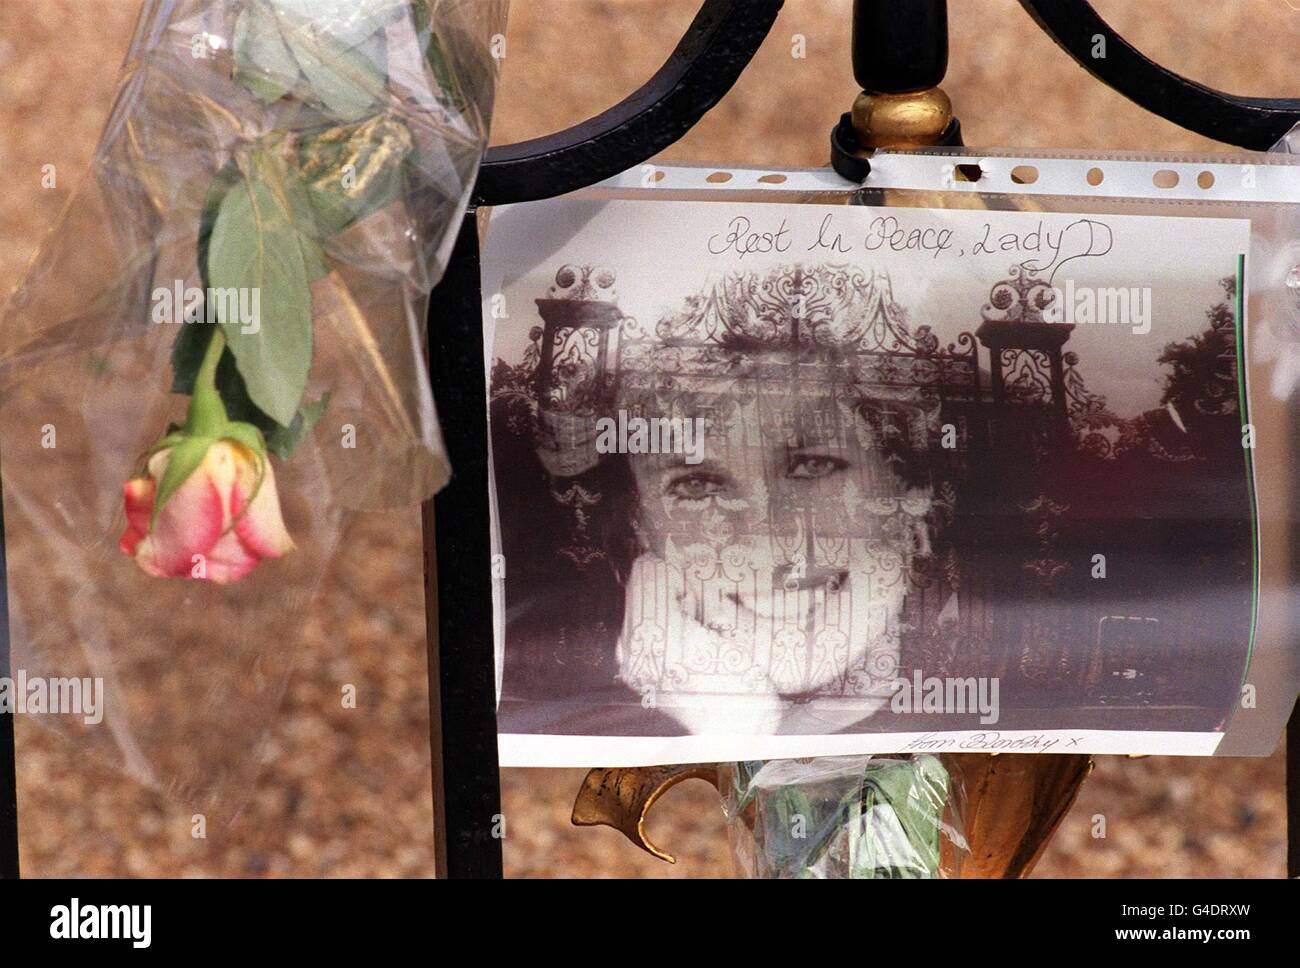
758	492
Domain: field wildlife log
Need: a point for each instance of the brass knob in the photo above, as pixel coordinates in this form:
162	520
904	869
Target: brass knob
912	120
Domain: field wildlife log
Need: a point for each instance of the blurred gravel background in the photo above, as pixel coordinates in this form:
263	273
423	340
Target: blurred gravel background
347	791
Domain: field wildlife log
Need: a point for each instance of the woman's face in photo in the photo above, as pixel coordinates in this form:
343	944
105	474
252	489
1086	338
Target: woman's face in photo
793	527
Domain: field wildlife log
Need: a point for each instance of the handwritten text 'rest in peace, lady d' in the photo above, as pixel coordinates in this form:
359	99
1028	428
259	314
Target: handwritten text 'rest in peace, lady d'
1046	249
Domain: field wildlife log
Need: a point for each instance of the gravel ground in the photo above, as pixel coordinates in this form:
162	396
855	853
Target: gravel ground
346	792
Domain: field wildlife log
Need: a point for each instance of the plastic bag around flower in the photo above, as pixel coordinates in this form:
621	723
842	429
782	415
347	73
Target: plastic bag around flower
855	817
292	175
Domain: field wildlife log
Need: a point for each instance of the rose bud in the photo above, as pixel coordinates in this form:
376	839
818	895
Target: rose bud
220	513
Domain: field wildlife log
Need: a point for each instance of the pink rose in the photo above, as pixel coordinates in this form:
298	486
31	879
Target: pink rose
216	526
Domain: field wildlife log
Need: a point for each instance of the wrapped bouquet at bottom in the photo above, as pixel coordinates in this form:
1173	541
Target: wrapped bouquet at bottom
860	817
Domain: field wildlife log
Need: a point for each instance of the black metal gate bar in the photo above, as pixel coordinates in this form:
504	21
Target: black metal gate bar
717	46
1249	122
458	584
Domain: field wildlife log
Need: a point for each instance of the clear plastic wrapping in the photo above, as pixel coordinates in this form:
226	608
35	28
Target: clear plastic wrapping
286	177
854	817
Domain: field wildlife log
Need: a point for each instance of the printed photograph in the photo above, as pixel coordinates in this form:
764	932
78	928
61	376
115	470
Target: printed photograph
784	498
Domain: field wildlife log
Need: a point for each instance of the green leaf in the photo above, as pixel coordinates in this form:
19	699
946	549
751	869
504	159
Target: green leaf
185	459
226	178
263	62
347	80
313	257
303	213
333	52
348	21
256	244
281	441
